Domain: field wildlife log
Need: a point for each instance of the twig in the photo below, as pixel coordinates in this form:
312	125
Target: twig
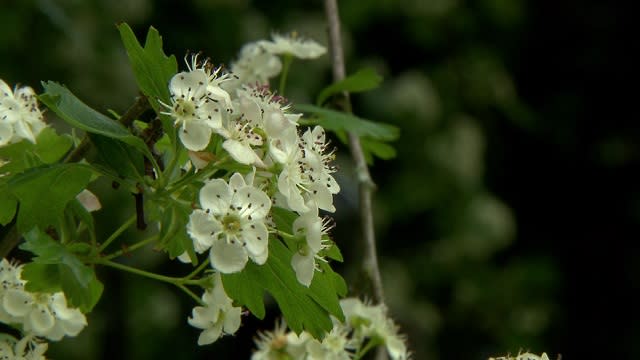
365	184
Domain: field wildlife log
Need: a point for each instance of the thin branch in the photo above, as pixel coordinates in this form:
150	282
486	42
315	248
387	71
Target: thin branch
365	183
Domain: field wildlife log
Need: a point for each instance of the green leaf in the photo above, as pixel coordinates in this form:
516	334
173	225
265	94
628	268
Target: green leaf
51	147
379	149
283	218
363	80
173	235
55	268
123	159
8	205
44	192
333	252
340	121
153	69
81	213
303	308
70	109
238	287
48	149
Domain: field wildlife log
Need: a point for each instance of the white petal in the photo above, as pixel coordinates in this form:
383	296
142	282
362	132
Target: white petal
311	224
210	335
195	135
6	132
290	191
322	196
189	84
241	153
184	258
17	302
41	320
203	317
24	131
304	266
215	196
256	236
89	200
236	181
203	229
396	348
228	258
260	258
252	202
232	320
75	323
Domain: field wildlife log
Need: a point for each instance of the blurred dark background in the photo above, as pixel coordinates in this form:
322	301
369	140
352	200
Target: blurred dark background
507	220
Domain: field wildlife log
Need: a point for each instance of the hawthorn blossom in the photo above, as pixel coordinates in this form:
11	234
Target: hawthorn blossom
307	173
27	348
254	66
41	314
20	117
312	227
294	45
231	224
198	103
218	316
372	321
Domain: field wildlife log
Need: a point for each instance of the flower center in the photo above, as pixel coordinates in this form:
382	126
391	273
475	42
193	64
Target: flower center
231	224
184	108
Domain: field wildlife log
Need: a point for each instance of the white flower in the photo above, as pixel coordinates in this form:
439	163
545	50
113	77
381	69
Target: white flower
268	112
271	343
523	356
336	345
26	348
254	66
240	139
307	173
372	321
231	224
41	314
218	316
20	117
312	227
198	103
294	45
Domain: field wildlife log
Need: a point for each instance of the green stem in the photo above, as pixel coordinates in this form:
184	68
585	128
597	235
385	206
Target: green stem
179	282
130	248
168	279
190	293
369	345
117	233
285	72
197	270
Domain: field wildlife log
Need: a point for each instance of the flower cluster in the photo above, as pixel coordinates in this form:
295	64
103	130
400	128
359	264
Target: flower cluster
217	316
20	117
364	325
26	348
523	356
255	127
40	314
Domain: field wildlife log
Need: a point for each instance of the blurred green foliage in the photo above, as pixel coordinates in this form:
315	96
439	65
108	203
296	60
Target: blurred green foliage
451	280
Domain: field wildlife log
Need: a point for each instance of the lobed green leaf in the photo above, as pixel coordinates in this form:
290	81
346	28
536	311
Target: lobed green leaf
152	68
55	268
363	80
340	121
72	110
44	192
303	308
